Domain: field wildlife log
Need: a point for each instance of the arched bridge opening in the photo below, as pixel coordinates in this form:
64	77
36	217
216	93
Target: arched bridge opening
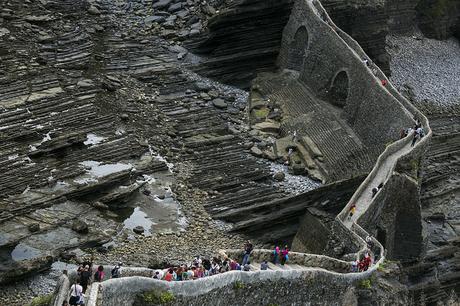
339	90
298	49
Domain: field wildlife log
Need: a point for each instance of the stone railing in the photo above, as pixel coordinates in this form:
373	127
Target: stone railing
302	259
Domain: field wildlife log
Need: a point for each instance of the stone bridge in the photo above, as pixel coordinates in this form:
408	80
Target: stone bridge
330	65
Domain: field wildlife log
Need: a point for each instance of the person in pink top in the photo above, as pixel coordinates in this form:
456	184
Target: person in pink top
276	255
284	255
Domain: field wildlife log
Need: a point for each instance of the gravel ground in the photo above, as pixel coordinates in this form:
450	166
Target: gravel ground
430	68
295	184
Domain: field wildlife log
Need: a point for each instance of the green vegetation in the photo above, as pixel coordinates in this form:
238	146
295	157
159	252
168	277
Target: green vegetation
42	300
260	113
365	283
238	285
384	265
414	164
158	297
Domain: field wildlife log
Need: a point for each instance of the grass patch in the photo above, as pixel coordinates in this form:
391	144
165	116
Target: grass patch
261	113
414	164
365	283
158	297
238	285
42	300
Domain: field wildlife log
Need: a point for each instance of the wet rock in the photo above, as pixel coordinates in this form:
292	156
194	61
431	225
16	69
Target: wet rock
124	117
80	226
279	176
138	229
34	227
219	103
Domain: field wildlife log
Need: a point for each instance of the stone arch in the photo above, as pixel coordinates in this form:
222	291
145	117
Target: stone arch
340	87
297	49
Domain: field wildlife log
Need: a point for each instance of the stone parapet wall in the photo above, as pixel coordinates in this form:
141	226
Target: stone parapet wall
313	280
303	259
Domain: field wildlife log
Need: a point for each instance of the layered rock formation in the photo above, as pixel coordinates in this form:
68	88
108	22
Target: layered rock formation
438	19
243	40
366	22
401	15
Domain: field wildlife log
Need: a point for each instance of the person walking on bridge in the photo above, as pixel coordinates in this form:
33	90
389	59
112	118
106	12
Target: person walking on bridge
247	252
276	255
352	211
284	255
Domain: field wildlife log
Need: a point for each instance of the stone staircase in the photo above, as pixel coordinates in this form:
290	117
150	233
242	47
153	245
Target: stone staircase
343	155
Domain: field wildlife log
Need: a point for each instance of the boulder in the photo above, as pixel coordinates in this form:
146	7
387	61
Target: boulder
175	7
152	19
161	4
4	31
279	176
256	151
219	103
80	226
94	10
86	83
139	230
99	205
34	227
268	127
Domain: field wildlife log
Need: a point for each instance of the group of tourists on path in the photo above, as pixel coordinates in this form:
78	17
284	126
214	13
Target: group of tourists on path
204	267
86	275
418	130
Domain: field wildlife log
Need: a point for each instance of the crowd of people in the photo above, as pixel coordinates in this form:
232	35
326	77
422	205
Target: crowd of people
418	130
204	267
198	268
85	276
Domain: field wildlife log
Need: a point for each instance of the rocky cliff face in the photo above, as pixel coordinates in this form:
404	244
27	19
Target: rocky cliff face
243	40
402	15
366	22
438	19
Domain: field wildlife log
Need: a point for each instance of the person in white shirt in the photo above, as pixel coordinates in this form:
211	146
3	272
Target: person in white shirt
76	294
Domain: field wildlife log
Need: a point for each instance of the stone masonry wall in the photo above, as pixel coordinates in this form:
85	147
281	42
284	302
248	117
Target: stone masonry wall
294	287
371	111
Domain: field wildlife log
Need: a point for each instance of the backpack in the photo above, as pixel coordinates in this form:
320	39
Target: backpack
97	276
115	272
